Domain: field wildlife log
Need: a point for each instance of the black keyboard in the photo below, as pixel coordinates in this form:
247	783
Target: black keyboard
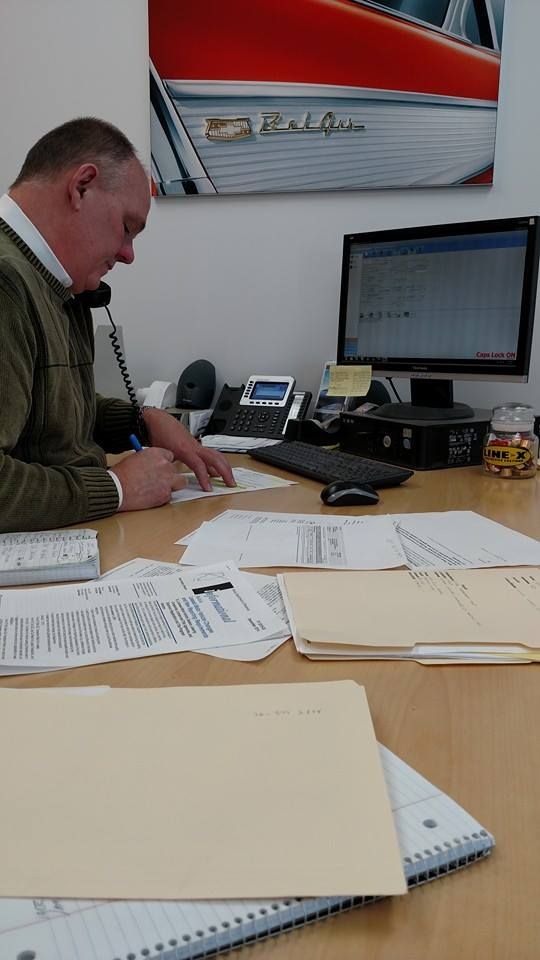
323	465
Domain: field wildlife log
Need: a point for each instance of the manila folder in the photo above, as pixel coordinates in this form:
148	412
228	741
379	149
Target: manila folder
197	792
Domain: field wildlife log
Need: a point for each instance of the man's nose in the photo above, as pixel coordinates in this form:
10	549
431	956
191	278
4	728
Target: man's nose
126	254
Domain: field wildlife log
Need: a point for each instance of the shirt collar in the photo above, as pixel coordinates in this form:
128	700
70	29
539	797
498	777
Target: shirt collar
30	235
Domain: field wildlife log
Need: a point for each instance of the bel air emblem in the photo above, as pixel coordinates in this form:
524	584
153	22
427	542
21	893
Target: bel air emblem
225	129
327	124
238	128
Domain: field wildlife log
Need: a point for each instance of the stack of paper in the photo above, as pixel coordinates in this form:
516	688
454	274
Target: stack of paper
252	538
433	616
47	556
235	444
445	540
72	626
266	587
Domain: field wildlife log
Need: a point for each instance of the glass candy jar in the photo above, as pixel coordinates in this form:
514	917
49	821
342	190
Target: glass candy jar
511	447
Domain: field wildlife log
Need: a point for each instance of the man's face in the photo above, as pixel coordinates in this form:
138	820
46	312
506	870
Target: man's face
110	219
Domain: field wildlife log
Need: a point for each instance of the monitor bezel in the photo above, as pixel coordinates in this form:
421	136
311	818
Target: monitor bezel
516	370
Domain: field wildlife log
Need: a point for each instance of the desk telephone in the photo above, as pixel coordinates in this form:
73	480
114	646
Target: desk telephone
260	408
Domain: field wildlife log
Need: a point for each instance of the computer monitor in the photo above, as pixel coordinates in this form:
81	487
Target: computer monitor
440	303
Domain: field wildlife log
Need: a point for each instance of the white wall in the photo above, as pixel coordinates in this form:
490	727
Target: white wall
251	283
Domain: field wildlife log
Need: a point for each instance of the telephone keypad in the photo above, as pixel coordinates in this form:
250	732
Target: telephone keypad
256	421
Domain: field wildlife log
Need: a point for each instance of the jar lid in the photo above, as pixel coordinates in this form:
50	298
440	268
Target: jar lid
512	420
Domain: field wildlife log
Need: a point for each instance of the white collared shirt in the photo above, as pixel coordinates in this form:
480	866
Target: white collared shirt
30	235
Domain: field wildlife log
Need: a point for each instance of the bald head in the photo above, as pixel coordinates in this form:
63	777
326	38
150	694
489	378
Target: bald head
84	140
84	188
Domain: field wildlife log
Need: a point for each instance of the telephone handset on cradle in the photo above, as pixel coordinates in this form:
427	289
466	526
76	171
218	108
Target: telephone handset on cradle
260	408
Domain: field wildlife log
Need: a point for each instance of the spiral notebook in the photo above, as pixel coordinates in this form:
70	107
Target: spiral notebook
48	556
436	837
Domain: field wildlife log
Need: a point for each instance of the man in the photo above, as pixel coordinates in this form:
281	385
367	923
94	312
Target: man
78	203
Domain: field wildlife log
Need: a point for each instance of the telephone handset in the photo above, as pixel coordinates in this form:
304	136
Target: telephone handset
261	408
101	297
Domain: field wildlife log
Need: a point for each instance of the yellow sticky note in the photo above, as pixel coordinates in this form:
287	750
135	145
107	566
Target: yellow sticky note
348	381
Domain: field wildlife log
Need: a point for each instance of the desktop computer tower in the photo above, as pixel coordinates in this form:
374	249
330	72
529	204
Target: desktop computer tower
418	444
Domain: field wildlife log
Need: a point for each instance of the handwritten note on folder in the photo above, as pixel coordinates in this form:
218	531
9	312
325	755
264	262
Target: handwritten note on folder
194	793
401	609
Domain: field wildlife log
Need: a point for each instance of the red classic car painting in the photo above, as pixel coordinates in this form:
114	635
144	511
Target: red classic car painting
257	96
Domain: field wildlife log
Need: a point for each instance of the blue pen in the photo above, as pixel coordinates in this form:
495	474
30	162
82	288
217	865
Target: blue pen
135	443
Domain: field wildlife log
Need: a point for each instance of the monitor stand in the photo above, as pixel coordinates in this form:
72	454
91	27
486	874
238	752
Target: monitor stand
430	400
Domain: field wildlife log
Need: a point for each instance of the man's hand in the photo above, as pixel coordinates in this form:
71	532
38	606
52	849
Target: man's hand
148	478
165	431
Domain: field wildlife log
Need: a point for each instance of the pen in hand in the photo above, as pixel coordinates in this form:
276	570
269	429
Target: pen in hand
135	443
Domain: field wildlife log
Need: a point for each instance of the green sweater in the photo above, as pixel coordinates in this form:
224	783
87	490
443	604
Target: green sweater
53	428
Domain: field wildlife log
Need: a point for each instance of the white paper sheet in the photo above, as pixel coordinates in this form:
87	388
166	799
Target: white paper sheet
258	539
231	444
266	587
462	538
59	627
246	482
440	540
260	516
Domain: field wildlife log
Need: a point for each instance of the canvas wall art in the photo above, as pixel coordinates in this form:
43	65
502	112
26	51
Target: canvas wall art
262	96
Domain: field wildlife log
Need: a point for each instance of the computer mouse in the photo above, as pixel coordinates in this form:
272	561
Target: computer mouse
347	493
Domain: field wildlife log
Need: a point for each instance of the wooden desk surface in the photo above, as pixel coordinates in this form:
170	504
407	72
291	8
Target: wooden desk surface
472	730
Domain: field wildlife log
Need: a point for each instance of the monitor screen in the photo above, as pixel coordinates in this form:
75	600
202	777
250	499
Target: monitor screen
454	301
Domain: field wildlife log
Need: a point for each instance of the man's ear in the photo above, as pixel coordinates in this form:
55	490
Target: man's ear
79	182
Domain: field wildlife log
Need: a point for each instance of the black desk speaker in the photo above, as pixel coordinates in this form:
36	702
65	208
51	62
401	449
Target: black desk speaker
196	386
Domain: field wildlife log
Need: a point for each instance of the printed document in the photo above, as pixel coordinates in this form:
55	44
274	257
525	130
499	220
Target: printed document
69	626
443	541
462	538
187	793
246	482
253	538
266	587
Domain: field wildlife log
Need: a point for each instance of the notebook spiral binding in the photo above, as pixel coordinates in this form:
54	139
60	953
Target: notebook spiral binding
276	917
435	834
